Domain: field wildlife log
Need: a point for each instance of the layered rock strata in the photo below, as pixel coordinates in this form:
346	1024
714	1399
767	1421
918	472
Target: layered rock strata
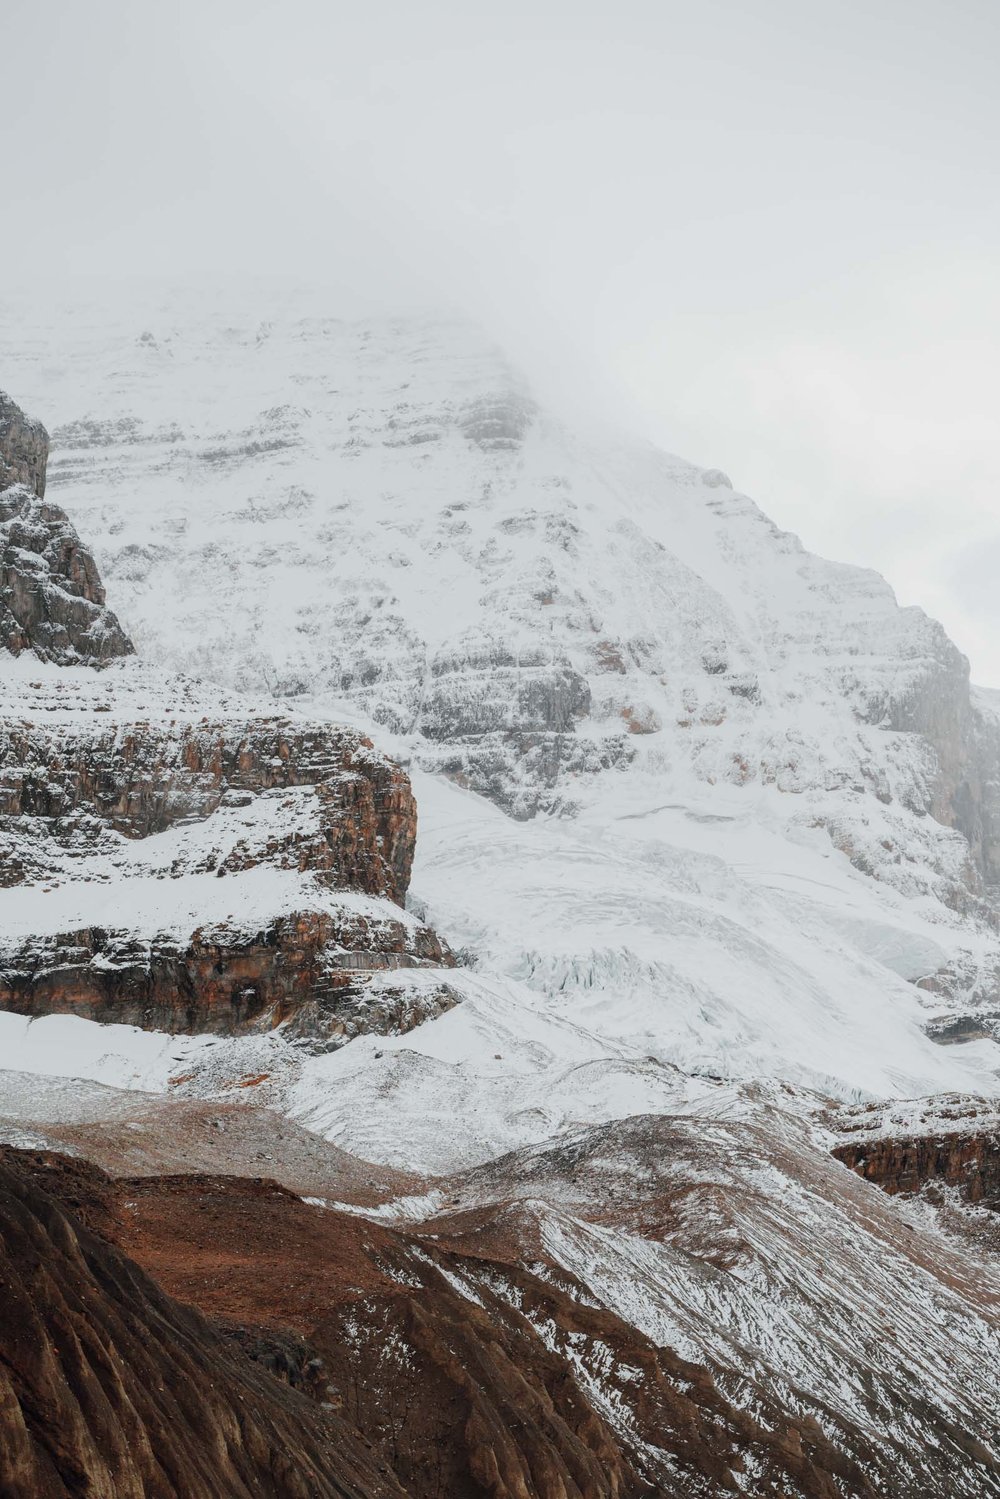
70	780
122	789
308	969
951	1143
173	870
969	1162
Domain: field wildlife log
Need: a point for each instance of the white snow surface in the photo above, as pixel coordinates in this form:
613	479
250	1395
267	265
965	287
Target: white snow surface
747	887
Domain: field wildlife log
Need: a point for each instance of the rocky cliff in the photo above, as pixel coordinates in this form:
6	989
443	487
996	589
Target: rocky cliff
127	795
949	1143
936	703
179	862
535	603
24	449
72	776
51	597
375	519
969	1162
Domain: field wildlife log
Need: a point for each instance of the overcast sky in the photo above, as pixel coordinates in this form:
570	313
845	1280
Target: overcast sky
769	226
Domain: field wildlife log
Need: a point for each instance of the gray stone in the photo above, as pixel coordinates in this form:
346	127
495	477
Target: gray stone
24	448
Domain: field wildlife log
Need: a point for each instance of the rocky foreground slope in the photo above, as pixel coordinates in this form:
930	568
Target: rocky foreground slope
109	1388
695	1304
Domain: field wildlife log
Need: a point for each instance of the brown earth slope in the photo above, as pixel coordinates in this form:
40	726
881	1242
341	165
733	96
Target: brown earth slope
109	1389
474	1376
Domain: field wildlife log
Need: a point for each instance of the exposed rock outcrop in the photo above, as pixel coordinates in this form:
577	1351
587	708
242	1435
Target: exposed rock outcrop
109	1388
970	1162
51	597
689	1305
95	768
309	968
947	1142
307	832
138	777
24	448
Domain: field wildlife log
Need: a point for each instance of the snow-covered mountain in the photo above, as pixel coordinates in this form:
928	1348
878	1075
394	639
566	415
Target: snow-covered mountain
709	824
687	792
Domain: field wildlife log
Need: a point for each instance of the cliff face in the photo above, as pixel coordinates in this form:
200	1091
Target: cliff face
946	1142
598	593
51	597
177	861
969	1162
125	795
78	779
109	1388
24	449
309	968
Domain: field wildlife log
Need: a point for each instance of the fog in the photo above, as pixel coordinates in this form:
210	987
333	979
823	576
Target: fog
764	234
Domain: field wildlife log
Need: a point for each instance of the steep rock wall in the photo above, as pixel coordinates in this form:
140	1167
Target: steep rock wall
311	963
24	448
141	778
95	800
969	1161
51	596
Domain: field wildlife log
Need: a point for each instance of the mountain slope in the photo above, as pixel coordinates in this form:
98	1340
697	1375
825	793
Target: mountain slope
775	795
109	1388
128	794
698	1303
708	822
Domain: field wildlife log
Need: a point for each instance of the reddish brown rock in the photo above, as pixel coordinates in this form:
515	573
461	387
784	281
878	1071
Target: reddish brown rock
140	778
225	982
86	785
111	1390
473	1375
966	1160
